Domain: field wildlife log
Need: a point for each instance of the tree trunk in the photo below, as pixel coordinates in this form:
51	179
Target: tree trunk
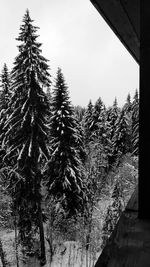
16	242
3	256
50	238
51	249
42	239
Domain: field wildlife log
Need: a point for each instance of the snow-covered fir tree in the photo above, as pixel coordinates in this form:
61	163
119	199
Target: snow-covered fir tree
87	121
79	113
128	113
135	124
64	169
29	57
80	144
26	136
5	95
113	113
112	116
5	92
101	140
96	130
128	104
101	124
98	107
122	137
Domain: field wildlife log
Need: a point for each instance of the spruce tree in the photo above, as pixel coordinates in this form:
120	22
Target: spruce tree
64	169
112	116
26	136
98	107
128	113
122	138
128	104
5	95
80	144
87	122
29	57
102	141
79	113
5	92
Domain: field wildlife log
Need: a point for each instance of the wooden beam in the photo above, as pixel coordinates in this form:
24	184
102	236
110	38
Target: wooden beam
123	17
144	125
129	244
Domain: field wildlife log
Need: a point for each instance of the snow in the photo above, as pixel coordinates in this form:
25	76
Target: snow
42	96
67	183
30	148
42	131
68	253
59	112
24	105
21	152
25	117
55	151
32	118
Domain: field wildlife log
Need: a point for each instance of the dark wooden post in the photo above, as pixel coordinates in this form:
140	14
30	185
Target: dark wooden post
144	140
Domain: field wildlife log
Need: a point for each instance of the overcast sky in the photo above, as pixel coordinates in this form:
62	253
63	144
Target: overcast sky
77	39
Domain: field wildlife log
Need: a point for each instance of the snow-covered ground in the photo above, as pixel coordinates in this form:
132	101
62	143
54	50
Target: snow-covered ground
67	254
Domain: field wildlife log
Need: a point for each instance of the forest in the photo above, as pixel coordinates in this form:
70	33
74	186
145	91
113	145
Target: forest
66	172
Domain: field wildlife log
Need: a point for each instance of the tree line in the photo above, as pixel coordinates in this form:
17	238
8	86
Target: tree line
54	157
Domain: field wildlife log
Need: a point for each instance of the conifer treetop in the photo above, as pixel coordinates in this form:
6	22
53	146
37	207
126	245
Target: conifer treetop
29	58
136	96
5	80
5	92
115	103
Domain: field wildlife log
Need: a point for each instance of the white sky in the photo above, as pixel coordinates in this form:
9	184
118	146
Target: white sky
75	38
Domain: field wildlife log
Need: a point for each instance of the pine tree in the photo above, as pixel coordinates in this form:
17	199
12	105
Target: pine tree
64	169
135	124
26	136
